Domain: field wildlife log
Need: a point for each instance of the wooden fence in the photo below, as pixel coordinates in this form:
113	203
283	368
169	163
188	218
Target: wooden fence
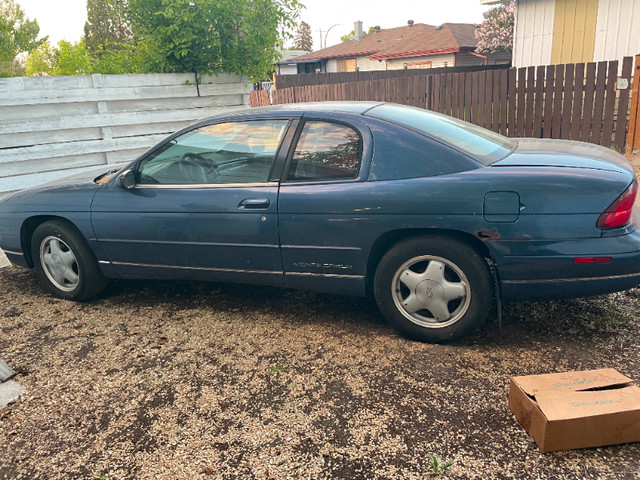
587	102
307	79
56	126
260	98
633	137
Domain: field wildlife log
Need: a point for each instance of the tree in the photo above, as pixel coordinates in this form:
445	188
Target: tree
73	59
352	34
496	31
107	25
18	34
302	39
41	60
209	36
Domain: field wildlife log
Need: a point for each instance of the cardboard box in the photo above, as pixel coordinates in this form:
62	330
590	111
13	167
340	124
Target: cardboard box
563	411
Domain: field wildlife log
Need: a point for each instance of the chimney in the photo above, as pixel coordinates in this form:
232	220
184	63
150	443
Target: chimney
410	23
357	30
377	28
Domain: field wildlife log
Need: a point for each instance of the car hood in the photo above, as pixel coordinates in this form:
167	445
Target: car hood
63	194
543	152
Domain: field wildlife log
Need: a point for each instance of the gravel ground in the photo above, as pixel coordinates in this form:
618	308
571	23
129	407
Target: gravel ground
189	380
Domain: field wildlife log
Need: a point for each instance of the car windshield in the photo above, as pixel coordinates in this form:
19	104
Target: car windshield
476	142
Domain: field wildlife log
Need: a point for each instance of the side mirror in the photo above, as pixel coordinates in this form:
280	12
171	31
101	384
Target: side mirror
127	180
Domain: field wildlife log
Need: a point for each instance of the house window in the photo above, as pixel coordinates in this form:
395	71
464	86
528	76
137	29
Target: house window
419	65
347	65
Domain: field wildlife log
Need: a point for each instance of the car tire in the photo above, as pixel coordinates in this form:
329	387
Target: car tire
64	262
433	288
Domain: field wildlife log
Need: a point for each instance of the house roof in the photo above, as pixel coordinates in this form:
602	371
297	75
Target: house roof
287	55
408	41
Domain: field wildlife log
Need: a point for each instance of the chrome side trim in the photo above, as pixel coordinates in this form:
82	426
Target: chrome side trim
188	186
104	262
566	280
199	244
328	275
204	269
317	247
11	252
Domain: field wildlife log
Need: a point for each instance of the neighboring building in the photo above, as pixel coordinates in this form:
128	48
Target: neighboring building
286	66
551	32
413	46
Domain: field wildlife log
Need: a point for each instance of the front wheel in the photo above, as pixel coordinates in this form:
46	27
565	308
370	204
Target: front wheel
433	289
64	262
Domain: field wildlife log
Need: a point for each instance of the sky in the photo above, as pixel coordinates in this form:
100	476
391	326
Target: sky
64	19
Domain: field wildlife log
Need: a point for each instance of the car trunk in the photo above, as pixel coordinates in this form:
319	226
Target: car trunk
535	152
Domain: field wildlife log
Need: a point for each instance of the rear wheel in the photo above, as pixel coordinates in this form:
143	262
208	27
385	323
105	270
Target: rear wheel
433	289
64	262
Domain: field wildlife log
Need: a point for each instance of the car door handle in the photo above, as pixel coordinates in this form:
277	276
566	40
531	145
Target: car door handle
254	204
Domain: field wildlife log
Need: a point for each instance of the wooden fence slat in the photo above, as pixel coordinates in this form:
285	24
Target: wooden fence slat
578	101
467	97
442	94
610	103
474	97
449	96
557	102
635	107
511	119
538	102
623	104
624	101
481	98
635	143
598	110
587	109
497	101
567	103
547	121
530	100
521	93
488	99
455	112
504	91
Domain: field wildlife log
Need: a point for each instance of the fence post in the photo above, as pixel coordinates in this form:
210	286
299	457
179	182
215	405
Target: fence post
633	137
103	108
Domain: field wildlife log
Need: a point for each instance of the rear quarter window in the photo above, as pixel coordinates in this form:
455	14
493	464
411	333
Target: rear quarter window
401	153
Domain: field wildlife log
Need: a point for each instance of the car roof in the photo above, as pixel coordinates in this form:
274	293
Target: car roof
309	108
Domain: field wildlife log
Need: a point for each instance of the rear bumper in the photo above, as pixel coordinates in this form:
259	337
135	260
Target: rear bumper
553	274
554	289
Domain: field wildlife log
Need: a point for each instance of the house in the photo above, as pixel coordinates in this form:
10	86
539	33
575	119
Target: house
415	45
285	66
551	32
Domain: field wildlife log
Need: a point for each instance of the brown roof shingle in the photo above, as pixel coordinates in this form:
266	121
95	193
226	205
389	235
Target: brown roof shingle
407	41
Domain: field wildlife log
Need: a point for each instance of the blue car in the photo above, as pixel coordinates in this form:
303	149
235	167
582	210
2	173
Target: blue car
437	218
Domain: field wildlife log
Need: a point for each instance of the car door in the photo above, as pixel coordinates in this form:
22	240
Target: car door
204	206
320	212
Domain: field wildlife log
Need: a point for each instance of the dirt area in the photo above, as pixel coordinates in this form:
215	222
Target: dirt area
185	380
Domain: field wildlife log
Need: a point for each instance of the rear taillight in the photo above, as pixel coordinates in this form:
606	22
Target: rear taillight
619	212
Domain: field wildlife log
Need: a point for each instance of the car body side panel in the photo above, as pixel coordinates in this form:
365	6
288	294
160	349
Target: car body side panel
327	231
68	200
203	233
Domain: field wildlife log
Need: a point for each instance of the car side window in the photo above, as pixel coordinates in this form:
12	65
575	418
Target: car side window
223	153
326	151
